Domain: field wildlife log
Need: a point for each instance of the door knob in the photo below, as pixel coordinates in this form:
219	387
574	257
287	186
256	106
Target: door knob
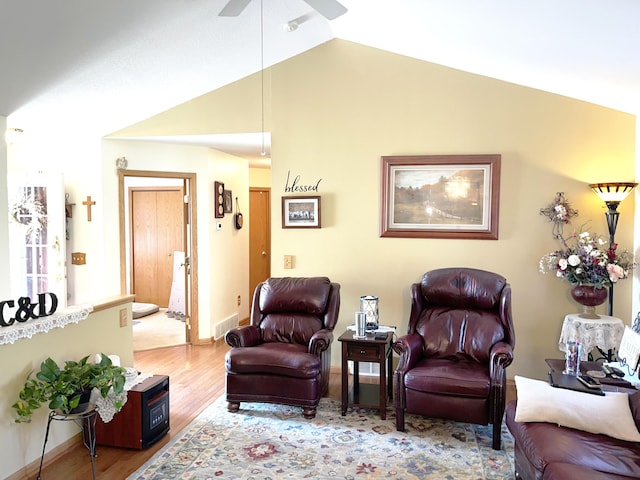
264	254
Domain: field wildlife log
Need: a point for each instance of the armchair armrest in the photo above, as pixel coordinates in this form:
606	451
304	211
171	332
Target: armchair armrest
320	341
501	358
246	336
409	347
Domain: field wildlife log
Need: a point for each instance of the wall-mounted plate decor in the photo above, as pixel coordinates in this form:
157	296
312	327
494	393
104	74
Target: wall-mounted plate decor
218	202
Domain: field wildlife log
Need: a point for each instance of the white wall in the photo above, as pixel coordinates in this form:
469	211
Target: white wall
5	289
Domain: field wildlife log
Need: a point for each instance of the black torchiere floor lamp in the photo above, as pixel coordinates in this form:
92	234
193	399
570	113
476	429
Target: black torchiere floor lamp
612	194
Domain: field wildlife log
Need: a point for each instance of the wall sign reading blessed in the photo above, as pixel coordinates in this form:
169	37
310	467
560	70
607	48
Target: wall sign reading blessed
26	309
297	186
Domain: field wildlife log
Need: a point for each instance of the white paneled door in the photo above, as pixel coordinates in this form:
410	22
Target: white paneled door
37	236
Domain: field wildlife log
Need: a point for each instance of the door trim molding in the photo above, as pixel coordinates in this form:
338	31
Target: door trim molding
192	220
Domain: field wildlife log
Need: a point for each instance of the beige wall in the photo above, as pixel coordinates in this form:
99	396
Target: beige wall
99	333
342	106
336	109
259	177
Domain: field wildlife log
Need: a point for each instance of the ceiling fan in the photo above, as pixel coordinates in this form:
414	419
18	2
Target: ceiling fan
329	9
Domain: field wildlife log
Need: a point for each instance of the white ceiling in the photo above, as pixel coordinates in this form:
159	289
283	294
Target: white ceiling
100	66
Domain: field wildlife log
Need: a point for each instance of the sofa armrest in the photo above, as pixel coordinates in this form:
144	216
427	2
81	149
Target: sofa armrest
320	341
246	336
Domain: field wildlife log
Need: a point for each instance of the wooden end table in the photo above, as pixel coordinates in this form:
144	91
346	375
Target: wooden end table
367	350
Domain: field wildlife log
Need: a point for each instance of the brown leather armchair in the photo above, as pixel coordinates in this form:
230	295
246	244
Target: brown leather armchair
284	355
460	341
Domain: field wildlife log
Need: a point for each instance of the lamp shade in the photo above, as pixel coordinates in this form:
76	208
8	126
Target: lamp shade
613	192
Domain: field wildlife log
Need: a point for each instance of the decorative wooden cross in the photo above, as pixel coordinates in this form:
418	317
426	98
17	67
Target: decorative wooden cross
88	202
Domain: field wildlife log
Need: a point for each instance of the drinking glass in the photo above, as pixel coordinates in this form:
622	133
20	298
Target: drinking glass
573	350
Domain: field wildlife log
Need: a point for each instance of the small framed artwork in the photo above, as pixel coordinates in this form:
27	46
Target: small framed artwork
301	212
228	201
440	196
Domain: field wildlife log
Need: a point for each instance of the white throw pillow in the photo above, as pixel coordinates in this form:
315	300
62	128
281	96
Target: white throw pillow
609	415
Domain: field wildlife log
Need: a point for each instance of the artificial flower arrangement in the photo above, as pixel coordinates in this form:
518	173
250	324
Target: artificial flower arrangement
589	260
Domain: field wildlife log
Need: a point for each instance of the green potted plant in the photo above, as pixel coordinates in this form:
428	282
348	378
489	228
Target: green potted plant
63	388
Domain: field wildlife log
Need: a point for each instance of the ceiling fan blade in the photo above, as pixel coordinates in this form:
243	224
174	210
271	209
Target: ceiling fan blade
329	9
233	8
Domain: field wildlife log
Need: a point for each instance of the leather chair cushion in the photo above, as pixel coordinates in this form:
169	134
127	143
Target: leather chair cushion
445	377
285	359
567	471
289	328
444	333
306	295
462	288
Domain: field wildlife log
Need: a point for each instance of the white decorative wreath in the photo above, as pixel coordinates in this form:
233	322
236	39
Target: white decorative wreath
29	212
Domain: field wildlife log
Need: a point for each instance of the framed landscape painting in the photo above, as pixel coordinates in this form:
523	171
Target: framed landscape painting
440	196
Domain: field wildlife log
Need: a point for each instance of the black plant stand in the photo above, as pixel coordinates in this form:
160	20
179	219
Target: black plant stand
86	420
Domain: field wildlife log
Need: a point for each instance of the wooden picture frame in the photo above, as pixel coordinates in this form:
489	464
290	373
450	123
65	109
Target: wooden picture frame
301	212
228	201
440	196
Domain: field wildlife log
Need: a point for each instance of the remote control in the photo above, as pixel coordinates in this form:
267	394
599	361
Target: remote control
613	371
616	371
588	381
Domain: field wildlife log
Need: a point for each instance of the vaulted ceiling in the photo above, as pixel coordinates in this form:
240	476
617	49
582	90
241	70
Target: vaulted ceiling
104	65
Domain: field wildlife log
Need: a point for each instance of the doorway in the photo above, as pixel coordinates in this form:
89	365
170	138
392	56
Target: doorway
184	215
259	236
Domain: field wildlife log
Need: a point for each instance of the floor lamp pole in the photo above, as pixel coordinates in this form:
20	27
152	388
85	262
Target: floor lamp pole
612	223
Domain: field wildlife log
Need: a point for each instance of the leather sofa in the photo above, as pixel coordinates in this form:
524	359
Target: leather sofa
551	452
284	355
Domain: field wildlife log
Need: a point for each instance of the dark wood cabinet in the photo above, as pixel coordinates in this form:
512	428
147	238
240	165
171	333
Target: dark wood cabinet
143	420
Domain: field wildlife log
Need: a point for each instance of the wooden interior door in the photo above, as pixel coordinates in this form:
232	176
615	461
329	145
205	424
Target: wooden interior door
157	224
259	236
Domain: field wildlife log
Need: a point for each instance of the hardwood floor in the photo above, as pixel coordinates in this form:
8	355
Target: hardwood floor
196	380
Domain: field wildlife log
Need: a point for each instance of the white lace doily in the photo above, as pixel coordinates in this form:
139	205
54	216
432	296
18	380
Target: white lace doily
60	319
604	332
106	405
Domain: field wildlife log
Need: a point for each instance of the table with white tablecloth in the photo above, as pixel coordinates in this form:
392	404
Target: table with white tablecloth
604	333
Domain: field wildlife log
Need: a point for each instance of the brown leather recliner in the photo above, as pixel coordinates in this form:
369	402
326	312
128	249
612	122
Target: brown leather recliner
284	355
460	341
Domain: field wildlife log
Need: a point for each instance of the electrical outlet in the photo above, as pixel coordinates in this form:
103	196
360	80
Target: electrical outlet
78	258
288	262
239	300
124	317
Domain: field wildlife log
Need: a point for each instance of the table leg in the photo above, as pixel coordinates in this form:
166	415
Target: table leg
356	381
390	374
345	380
383	383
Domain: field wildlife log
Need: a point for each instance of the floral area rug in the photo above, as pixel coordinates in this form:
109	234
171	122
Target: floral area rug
270	442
